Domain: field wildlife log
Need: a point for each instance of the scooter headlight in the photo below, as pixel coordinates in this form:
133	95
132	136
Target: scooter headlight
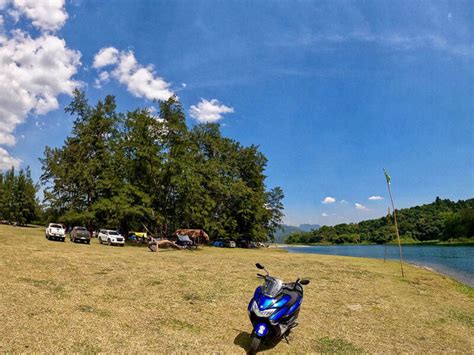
261	329
262	313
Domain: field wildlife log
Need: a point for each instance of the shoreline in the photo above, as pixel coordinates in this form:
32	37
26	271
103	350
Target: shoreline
428	243
442	270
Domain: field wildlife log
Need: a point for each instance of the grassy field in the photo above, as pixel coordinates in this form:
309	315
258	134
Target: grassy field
58	296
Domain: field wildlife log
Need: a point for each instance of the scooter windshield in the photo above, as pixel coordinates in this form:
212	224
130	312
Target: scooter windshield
271	287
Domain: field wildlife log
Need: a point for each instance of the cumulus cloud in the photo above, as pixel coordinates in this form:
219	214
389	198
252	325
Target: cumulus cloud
103	77
33	72
106	56
375	198
46	15
141	81
328	199
324	214
209	111
7	161
359	206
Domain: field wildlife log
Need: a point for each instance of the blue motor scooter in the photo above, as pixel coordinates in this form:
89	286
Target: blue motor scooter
274	309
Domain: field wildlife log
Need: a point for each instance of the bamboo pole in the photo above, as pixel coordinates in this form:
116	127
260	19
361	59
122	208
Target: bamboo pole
385	243
395	222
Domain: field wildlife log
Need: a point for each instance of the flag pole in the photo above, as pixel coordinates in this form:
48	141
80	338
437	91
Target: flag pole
385	242
395	221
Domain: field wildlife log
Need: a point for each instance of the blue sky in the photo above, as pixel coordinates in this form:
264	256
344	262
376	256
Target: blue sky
332	92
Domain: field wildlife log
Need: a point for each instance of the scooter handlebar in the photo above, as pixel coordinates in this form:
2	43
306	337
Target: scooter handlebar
261	276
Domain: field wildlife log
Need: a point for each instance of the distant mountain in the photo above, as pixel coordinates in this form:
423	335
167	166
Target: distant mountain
309	227
286	230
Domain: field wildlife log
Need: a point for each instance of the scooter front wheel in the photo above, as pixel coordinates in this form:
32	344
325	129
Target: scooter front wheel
254	344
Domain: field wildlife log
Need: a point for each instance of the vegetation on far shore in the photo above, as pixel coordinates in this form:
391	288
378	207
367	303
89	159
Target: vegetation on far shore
443	221
66	297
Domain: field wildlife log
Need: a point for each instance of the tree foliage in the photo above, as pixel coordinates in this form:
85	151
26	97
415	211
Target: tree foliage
137	169
440	220
18	202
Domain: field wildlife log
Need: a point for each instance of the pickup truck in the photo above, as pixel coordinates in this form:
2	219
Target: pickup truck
80	234
55	231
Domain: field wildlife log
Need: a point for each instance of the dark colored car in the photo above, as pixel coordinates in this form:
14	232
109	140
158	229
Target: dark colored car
80	234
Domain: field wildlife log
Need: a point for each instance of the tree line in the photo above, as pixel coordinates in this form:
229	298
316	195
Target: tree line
138	169
441	220
18	203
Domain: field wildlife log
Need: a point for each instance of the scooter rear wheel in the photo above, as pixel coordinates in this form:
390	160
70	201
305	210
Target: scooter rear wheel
254	344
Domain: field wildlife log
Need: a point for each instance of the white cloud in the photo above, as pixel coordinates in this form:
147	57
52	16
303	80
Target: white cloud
106	56
328	199
209	111
7	161
394	40
141	81
6	138
103	77
33	72
14	14
359	206
375	198
324	214
47	15
343	202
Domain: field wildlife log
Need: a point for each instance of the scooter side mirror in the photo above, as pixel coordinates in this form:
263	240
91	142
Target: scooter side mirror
304	282
259	266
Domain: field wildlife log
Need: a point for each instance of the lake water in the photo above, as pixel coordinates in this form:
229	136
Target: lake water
455	261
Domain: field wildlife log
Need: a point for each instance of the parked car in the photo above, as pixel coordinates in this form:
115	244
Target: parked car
229	243
55	231
111	237
80	234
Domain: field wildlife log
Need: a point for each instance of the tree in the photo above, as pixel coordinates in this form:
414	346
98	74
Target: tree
275	206
83	176
128	170
18	196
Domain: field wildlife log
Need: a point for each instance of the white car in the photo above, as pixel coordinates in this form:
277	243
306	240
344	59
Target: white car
55	231
110	237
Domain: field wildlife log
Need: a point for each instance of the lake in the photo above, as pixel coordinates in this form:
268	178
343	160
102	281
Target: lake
455	261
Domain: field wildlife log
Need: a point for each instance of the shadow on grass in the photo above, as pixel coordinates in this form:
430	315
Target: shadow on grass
56	240
243	340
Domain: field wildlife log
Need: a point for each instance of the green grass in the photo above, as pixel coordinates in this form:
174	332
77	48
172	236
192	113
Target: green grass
66	297
335	346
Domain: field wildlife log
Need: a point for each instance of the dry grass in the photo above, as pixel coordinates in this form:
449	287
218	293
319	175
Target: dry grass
91	298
